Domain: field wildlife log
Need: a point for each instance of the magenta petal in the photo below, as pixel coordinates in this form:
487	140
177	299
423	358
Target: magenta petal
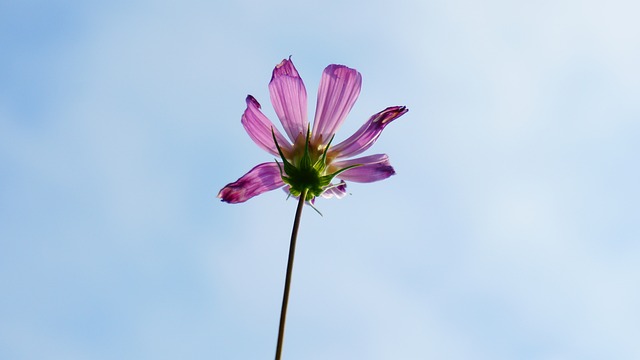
372	168
367	135
262	178
258	126
338	91
289	99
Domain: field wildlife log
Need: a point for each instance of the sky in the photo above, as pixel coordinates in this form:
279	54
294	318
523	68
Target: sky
510	231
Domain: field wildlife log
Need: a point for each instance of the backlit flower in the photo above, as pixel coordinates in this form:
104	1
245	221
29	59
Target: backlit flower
308	158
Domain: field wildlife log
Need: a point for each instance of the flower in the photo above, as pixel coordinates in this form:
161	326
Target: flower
308	160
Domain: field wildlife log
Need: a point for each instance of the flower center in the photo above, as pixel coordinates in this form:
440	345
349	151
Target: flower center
308	170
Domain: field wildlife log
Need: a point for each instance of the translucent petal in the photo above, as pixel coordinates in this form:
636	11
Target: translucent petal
371	168
260	179
258	126
289	99
338	91
367	135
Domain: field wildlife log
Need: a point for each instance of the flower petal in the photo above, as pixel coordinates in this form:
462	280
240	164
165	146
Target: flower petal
372	168
262	178
289	99
338	91
338	191
367	135
259	128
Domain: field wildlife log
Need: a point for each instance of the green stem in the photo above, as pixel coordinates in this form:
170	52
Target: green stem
287	282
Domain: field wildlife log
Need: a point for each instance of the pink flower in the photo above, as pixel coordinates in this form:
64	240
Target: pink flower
309	161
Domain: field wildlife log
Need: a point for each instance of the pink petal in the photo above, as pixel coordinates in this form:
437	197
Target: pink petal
367	135
262	178
338	191
289	99
372	168
339	89
259	128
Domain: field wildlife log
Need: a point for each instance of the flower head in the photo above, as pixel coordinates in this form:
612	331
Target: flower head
308	160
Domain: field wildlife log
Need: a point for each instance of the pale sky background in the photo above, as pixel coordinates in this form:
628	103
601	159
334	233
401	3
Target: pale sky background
511	230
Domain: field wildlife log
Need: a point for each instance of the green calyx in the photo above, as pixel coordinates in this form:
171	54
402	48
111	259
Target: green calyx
310	171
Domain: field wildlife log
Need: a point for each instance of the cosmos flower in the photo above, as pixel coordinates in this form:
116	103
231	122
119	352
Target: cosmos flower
308	160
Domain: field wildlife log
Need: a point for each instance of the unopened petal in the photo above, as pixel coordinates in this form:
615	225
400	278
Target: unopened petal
370	168
260	179
289	99
338	191
338	91
259	128
367	135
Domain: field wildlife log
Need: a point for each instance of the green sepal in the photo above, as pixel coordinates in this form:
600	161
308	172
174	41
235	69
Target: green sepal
305	161
328	178
307	176
321	164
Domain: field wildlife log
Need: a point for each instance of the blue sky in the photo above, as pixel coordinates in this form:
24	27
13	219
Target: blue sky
511	230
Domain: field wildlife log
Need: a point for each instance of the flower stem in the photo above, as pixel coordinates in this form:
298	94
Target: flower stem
287	282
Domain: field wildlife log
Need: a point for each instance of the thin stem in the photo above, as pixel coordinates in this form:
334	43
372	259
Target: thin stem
287	282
